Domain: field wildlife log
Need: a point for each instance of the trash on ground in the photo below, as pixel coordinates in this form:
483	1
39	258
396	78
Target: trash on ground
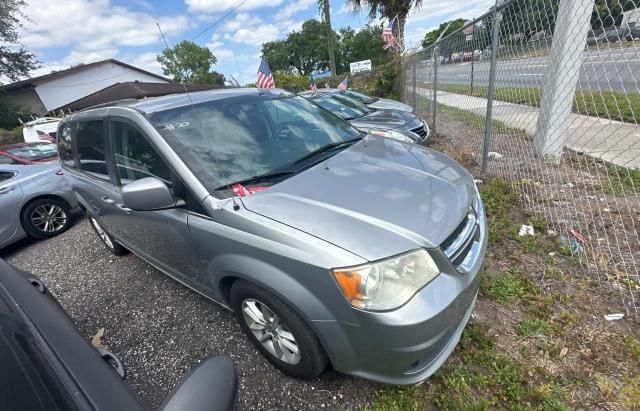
551	233
576	234
614	317
525	230
495	155
568	185
96	340
572	244
564	352
477	181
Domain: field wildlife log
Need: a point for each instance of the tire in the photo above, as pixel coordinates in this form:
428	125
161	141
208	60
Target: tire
45	218
311	361
109	242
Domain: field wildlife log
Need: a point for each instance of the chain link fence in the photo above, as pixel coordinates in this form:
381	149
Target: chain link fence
545	93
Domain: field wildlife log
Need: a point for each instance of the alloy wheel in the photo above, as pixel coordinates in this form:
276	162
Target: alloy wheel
270	331
49	218
101	233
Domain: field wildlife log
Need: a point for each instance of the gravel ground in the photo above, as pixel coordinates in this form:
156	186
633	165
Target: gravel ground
160	329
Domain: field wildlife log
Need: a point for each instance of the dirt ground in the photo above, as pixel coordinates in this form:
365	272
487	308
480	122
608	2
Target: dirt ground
538	338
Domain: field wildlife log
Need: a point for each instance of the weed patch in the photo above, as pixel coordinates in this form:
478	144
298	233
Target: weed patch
506	287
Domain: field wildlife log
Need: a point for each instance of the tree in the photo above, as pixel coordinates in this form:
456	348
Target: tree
362	45
15	61
433	35
187	62
387	9
325	9
304	51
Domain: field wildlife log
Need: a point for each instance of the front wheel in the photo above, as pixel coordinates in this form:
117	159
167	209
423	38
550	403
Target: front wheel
108	241
278	332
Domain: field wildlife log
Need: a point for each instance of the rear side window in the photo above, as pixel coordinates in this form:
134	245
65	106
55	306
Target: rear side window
135	157
7	160
6	175
90	140
65	151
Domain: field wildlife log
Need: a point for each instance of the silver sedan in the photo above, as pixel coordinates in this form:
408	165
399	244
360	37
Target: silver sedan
35	201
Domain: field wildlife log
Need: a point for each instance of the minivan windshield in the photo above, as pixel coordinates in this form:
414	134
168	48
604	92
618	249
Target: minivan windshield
239	138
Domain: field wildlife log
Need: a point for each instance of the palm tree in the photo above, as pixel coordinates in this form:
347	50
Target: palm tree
387	9
326	16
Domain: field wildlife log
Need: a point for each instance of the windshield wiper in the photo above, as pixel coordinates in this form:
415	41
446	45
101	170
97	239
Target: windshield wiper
326	148
259	178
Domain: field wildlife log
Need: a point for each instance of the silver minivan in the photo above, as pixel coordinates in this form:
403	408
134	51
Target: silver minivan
331	246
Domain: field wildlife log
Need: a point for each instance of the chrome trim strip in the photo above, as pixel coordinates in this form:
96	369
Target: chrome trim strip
462	239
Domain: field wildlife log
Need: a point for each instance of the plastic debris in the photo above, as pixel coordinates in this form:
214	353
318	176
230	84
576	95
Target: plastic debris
606	210
551	233
614	317
569	185
525	230
495	155
576	234
573	245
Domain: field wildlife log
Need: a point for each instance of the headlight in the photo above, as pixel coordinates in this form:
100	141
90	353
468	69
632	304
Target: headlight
392	134
386	284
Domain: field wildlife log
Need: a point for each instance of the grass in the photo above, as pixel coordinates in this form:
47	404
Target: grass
633	346
396	398
621	180
484	378
606	104
504	288
531	325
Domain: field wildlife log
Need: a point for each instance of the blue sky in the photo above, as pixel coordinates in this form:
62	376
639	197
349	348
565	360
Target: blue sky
81	31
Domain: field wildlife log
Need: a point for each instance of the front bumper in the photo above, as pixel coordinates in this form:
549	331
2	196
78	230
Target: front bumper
407	345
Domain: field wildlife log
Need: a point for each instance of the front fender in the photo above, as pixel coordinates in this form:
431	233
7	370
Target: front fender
271	278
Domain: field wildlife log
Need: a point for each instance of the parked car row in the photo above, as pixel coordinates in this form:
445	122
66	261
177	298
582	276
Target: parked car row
315	219
627	32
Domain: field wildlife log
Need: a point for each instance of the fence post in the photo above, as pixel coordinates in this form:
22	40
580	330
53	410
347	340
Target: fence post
434	86
414	82
561	78
495	38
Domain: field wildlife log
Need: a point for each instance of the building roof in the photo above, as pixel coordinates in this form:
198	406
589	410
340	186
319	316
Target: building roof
133	90
32	82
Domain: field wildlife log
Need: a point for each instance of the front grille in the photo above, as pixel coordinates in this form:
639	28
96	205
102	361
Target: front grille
421	131
461	241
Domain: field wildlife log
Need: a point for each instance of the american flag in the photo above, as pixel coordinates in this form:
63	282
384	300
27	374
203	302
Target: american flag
343	84
388	36
314	86
265	78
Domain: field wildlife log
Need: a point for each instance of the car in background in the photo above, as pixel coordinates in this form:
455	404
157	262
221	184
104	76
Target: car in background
36	201
373	102
399	125
48	365
28	153
330	245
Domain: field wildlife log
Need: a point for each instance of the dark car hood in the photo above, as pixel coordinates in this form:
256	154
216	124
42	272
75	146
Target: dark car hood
394	119
378	198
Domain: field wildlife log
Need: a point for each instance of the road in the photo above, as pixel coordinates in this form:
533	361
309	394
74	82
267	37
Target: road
160	329
615	69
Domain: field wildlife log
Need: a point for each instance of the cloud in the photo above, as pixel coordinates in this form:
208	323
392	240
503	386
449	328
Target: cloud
291	25
241	20
218	50
256	36
213	6
93	25
293	8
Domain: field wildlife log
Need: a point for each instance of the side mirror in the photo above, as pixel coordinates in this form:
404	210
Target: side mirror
211	385
147	194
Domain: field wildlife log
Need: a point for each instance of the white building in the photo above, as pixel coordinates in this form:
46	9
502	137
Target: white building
40	95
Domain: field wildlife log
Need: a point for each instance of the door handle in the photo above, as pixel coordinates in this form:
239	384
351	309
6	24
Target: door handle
107	200
5	190
123	208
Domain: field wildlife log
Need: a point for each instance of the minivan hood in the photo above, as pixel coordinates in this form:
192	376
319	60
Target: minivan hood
377	198
384	103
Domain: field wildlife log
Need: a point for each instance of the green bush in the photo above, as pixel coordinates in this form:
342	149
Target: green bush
294	83
10	136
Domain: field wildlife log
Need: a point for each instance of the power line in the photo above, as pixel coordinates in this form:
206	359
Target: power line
217	21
